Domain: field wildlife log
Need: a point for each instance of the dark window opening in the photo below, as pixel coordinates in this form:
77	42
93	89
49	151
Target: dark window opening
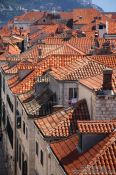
23	127
101	26
10	132
72	93
18	119
3	114
27	133
3	84
20	157
41	157
10	103
37	149
17	150
25	168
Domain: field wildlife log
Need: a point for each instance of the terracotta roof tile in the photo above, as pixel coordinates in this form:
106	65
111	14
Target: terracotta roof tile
81	70
29	16
87	15
96	82
63	123
49	62
54	40
33	54
100	156
66	15
107	60
106	126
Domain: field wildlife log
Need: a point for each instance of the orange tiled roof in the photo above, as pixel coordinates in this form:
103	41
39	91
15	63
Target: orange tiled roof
64	122
100	159
85	43
66	15
53	28
20	66
86	14
49	62
54	40
24	97
32	54
49	123
102	126
96	82
104	161
82	71
29	16
13	49
108	60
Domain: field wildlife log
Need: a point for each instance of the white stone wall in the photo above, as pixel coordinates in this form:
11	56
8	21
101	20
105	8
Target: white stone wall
88	94
50	163
8	150
100	107
27	143
62	90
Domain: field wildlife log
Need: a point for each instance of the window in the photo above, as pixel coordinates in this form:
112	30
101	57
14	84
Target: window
41	157
3	114
22	161
23	127
101	26
10	132
10	103
27	133
18	117
72	93
17	150
3	84
20	156
37	149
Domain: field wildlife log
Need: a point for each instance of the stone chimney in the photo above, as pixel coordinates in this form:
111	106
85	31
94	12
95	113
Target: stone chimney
67	35
39	53
107	79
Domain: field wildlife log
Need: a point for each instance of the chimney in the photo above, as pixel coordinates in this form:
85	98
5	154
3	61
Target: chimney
107	27
107	79
68	35
39	53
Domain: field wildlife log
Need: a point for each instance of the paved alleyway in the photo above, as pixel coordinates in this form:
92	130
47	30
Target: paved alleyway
3	170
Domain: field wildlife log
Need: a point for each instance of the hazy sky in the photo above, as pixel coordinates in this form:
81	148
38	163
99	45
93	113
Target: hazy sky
107	5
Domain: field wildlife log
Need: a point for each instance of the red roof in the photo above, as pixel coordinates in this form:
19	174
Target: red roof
108	60
64	122
96	82
102	126
29	16
49	62
81	70
102	155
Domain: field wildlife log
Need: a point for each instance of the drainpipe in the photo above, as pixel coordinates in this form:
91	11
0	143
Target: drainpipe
15	136
92	94
63	93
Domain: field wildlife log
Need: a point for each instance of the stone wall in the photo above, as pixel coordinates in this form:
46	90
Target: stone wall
105	107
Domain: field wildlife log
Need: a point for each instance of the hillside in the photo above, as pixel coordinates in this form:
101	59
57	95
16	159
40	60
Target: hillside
10	8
